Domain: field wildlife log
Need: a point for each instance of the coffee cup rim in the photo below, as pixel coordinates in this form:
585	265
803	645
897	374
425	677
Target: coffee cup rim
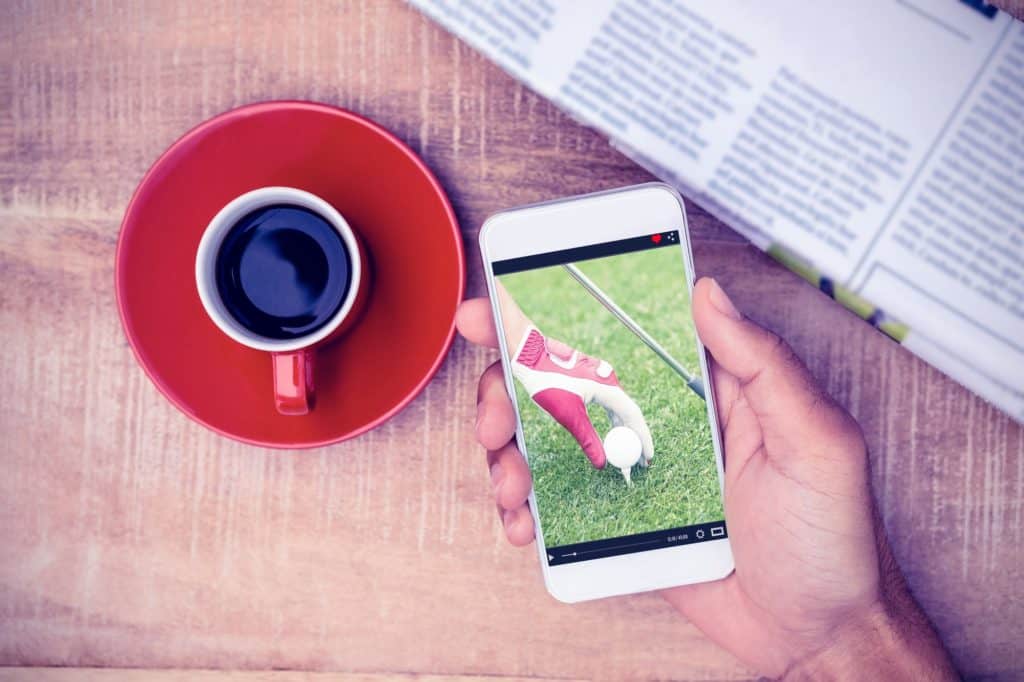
218	228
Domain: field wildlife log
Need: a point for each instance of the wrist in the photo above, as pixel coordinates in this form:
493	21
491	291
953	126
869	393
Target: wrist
887	641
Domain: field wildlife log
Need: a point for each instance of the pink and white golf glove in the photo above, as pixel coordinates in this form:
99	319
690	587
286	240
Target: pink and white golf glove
563	381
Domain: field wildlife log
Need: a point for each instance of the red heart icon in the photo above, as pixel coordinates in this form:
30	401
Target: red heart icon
656	238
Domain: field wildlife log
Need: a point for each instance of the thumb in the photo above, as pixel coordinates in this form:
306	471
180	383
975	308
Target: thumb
776	384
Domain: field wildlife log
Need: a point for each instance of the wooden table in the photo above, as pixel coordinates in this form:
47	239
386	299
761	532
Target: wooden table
133	537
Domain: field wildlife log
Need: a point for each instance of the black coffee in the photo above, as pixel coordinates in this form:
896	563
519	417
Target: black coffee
283	271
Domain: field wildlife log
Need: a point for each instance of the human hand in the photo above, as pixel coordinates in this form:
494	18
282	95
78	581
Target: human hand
816	592
563	381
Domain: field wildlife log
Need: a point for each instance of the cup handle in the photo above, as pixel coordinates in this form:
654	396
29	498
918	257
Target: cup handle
293	381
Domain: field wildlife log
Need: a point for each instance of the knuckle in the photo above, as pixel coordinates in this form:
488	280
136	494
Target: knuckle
851	436
777	358
842	433
782	354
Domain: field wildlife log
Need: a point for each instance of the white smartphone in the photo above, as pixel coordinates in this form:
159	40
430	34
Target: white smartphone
616	416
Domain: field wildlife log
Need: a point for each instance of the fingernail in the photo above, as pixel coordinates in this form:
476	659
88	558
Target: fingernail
722	302
507	517
496	474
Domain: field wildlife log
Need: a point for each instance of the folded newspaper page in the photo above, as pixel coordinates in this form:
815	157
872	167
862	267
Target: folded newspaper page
874	146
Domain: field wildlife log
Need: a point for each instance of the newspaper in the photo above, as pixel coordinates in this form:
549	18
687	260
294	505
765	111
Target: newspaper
874	146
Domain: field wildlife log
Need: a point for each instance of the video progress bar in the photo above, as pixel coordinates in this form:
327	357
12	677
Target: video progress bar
642	542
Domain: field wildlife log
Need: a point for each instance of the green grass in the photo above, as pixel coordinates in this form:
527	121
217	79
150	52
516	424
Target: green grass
578	503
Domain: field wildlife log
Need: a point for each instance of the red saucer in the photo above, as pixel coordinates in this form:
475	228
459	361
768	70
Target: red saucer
383	190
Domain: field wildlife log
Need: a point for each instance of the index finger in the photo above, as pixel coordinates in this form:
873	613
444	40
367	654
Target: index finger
475	322
495	416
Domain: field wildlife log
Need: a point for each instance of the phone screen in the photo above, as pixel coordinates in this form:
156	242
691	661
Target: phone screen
608	380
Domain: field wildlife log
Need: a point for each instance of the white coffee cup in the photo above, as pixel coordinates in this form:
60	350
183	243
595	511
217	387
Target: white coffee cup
292	359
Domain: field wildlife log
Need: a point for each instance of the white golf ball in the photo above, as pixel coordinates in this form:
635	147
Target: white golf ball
622	447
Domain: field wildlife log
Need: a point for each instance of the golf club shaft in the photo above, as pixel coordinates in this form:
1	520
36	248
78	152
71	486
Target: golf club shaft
695	384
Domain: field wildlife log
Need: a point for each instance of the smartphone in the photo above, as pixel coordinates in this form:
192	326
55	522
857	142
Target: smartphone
616	416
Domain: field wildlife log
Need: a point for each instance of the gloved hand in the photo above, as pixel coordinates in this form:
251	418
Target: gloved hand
563	381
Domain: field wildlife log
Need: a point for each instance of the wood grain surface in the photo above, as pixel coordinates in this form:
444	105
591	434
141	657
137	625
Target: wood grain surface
37	674
132	537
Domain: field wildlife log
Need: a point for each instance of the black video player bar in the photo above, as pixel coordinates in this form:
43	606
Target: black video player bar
581	253
641	542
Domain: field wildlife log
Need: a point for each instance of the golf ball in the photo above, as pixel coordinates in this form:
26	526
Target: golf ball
622	447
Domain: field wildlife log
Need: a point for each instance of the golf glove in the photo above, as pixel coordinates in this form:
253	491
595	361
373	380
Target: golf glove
563	381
